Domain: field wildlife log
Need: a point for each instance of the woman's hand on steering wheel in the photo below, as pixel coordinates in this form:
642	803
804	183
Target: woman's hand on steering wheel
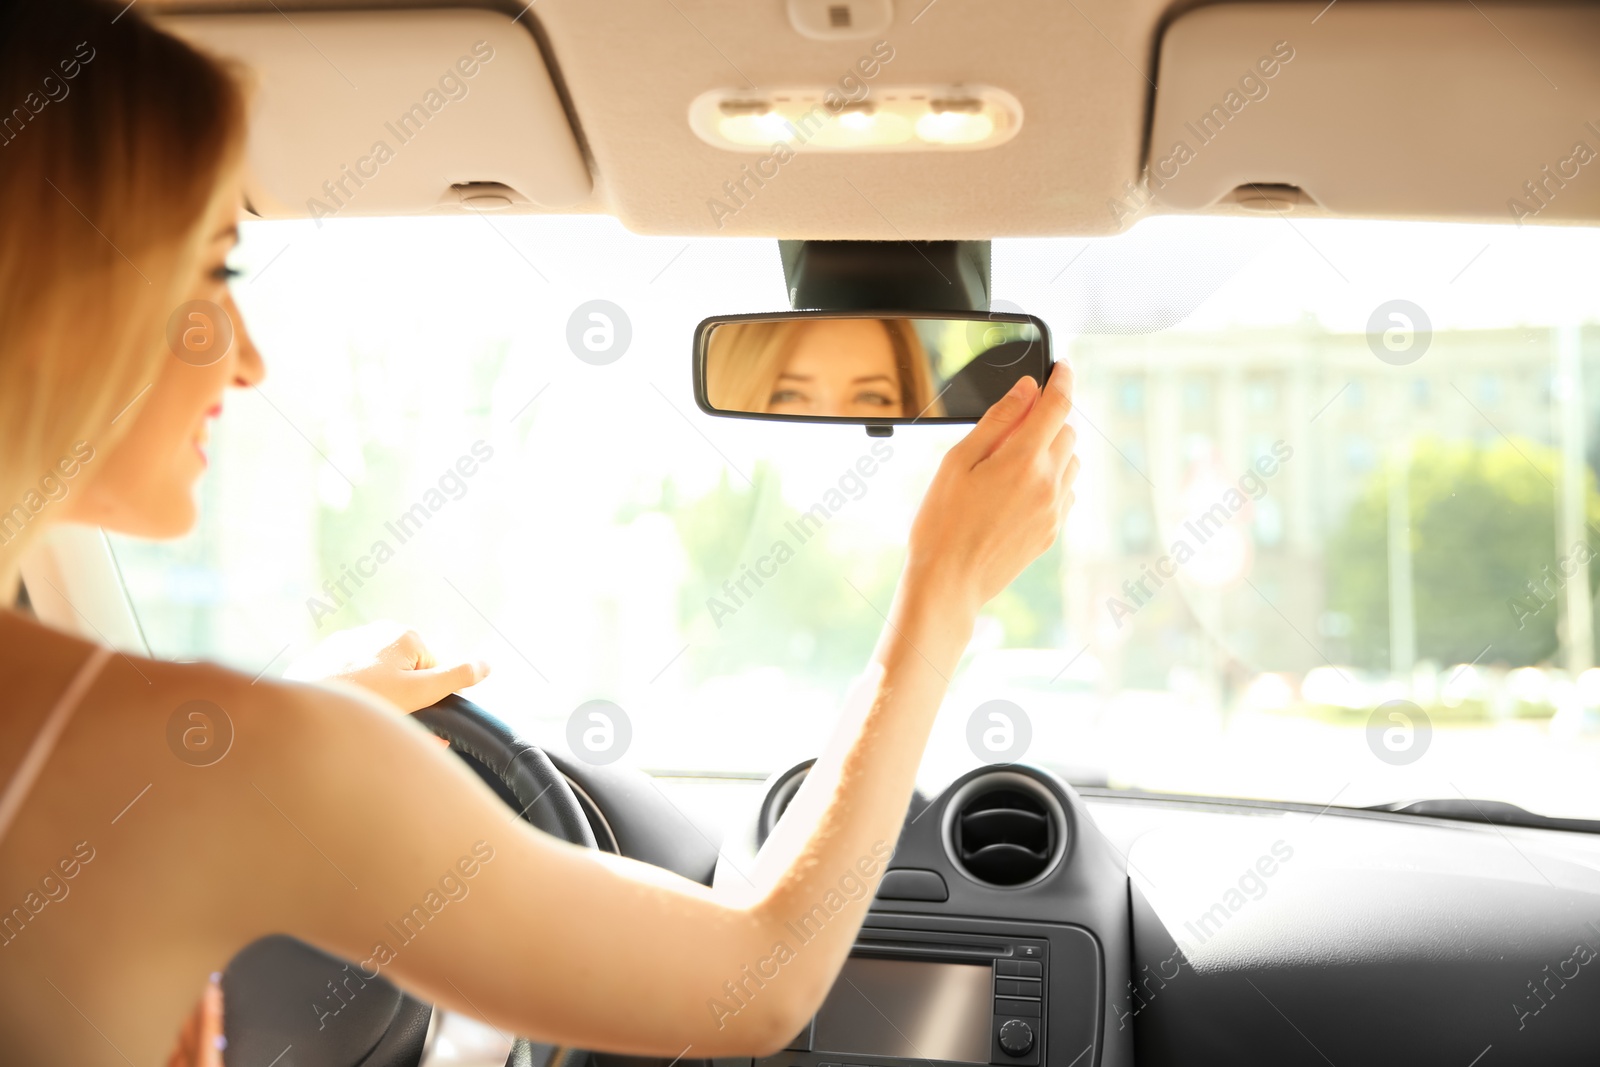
389	660
200	1042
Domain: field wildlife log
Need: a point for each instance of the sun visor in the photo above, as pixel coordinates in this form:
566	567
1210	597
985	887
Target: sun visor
397	113
1426	110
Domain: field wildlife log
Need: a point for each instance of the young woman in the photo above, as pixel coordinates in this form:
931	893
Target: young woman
127	875
851	368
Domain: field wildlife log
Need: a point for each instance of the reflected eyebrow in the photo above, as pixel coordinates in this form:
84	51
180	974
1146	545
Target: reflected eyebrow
872	378
796	377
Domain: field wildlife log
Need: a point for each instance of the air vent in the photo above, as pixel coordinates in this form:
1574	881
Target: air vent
1005	829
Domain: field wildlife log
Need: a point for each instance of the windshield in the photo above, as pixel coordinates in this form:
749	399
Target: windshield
1331	543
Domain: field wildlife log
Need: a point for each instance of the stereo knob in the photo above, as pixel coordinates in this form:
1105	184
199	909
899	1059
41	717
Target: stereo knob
1016	1037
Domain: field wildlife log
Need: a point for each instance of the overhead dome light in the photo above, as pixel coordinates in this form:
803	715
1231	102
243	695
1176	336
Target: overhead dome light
901	119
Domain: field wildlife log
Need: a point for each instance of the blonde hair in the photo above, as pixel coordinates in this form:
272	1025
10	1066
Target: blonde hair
120	146
744	360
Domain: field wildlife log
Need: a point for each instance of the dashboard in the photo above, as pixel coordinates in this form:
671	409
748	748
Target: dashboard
1023	921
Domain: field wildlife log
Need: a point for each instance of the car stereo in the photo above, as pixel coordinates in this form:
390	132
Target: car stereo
950	1000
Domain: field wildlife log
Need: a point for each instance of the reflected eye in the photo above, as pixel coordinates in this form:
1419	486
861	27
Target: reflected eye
787	396
876	399
226	273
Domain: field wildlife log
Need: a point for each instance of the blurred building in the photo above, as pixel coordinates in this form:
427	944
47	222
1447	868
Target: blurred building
1171	421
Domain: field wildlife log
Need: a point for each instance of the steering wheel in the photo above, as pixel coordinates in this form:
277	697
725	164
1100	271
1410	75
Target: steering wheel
356	1019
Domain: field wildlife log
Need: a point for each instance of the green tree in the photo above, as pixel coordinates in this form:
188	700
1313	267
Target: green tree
1483	525
803	615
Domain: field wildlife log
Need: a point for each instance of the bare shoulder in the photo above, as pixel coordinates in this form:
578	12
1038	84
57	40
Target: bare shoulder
204	712
146	718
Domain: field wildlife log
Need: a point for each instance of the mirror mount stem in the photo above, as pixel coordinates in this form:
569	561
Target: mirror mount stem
908	276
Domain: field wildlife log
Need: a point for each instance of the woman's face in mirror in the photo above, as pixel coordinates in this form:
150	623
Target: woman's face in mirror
842	368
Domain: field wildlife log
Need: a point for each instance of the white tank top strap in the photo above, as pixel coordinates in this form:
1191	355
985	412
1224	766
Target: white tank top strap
16	791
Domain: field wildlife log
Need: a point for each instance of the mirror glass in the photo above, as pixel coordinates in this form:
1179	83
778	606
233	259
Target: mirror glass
866	367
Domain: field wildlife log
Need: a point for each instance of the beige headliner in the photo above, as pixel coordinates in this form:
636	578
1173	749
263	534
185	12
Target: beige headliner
1083	70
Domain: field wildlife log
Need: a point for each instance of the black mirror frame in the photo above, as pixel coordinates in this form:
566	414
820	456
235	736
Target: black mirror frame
875	427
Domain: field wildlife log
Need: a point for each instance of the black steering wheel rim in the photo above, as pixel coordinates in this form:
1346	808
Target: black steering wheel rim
267	986
485	741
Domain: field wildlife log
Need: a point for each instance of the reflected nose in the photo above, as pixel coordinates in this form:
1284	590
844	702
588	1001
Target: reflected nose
248	366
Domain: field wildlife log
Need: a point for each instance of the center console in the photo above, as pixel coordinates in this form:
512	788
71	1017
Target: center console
997	937
937	992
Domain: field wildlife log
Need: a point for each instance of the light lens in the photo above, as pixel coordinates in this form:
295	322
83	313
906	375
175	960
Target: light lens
906	118
955	127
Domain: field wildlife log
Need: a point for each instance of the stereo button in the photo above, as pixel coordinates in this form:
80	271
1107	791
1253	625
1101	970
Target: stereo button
1012	1007
1016	987
1016	1037
1019	968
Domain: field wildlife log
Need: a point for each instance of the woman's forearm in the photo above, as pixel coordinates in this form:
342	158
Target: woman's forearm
997	502
899	693
818	871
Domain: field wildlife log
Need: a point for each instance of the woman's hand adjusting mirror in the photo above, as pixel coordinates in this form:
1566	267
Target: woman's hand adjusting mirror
866	367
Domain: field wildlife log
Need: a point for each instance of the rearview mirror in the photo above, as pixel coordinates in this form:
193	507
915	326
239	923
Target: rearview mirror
867	368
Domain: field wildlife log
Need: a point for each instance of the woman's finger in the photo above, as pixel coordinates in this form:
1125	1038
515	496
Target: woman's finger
1070	475
211	1041
997	424
431	685
1048	414
1066	439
